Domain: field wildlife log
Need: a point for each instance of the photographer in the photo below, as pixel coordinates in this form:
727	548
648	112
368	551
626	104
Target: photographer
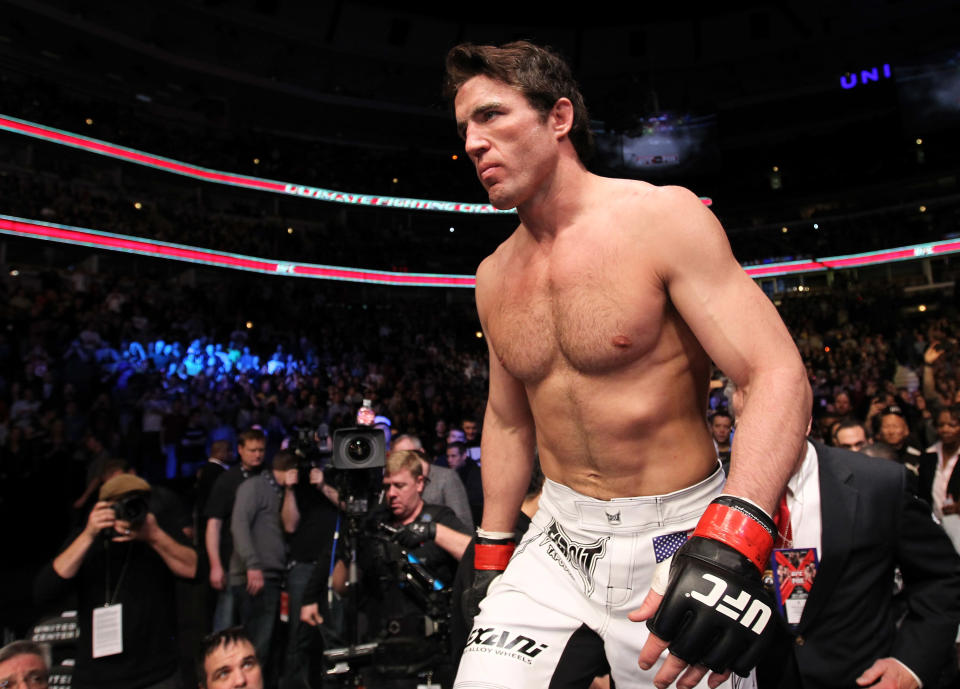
122	566
394	609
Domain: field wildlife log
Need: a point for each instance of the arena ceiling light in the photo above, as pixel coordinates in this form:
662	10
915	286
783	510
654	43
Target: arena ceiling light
131	155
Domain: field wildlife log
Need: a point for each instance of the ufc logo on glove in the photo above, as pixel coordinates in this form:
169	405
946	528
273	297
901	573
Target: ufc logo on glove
732	607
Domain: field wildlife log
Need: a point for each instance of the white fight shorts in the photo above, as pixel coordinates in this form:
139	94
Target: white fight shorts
557	617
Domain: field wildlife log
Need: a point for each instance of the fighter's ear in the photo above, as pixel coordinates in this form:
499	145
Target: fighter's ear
561	117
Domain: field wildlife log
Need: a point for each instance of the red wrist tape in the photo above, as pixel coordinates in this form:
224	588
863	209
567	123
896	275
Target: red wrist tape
737	530
489	556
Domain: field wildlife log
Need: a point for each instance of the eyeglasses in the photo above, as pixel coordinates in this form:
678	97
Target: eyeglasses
32	680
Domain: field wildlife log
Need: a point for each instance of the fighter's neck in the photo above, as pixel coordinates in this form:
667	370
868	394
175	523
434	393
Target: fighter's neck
559	201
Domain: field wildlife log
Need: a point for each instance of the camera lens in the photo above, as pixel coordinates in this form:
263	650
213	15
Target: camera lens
359	449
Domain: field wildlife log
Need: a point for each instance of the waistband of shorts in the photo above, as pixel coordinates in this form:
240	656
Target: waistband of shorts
636	513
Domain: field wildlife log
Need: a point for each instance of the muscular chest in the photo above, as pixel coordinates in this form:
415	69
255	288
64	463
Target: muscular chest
582	311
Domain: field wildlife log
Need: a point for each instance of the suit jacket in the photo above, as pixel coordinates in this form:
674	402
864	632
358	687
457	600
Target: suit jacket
872	523
446	488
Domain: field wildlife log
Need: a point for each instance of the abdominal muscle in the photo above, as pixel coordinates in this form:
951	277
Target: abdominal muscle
633	432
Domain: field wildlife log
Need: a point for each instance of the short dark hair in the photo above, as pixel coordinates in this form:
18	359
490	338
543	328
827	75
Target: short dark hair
844	423
251	434
22	648
284	461
722	413
953	410
115	465
460	447
539	73
211	642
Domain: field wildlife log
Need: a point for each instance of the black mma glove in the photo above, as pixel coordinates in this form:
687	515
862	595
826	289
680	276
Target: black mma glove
715	610
490	558
416	533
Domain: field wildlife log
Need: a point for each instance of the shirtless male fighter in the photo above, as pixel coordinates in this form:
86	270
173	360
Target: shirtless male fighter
602	312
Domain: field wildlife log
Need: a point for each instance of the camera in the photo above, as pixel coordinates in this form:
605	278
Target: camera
359	448
359	455
132	508
310	446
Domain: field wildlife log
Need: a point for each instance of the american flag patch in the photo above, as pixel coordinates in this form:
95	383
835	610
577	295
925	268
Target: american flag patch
667	545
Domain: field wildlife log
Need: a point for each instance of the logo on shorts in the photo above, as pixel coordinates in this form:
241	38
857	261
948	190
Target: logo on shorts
503	642
613	517
581	556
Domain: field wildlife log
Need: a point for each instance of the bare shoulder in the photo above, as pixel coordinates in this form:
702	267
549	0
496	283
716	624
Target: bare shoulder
651	201
490	274
680	219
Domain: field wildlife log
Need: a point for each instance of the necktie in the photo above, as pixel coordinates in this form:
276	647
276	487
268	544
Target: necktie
784	537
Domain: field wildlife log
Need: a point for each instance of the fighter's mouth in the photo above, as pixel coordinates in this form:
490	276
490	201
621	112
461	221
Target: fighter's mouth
484	171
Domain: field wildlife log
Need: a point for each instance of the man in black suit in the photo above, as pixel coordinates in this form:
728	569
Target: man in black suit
846	634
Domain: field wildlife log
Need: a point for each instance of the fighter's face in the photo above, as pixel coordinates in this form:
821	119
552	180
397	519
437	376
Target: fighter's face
251	453
403	494
721	429
508	141
233	665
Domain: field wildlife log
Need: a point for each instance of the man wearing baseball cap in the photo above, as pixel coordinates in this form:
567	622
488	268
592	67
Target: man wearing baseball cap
122	566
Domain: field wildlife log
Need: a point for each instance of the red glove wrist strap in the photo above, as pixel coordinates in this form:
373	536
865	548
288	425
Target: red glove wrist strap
496	557
737	530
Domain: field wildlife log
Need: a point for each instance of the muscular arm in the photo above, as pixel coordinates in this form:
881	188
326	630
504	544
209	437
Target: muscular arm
740	330
508	431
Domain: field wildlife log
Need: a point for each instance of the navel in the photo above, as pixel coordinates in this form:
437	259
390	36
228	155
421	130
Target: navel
621	341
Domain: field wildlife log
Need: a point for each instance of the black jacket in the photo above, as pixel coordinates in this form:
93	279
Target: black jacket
871	524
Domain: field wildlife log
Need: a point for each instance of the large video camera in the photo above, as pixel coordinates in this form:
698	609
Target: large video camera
414	639
359	455
408	640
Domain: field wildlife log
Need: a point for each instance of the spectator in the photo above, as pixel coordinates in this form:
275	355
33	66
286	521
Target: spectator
849	434
227	659
469	474
261	514
721	426
217	539
23	664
